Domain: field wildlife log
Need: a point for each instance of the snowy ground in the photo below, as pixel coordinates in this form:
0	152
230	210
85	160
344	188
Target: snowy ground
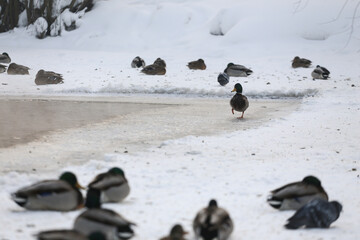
172	181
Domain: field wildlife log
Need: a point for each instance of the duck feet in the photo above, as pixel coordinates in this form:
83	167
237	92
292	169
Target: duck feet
232	110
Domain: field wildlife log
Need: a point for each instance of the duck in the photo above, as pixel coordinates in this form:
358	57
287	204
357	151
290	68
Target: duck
160	62
69	235
95	218
300	62
317	213
223	79
154	69
294	195
4	58
197	65
2	68
320	73
48	77
17	69
137	62
236	70
113	185
53	195
176	233
239	102
213	222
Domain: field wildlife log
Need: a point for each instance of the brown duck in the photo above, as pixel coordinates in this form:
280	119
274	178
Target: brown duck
197	65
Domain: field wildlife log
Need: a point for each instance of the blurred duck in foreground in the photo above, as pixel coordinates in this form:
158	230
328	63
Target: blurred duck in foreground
137	62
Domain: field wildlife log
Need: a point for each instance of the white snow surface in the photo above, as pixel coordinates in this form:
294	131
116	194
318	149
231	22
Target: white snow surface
171	182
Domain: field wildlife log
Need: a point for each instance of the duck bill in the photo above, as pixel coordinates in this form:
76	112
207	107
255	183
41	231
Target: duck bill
79	186
234	90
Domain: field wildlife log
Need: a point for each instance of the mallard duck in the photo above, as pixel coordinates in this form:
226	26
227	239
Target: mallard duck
112	224
113	185
160	62
154	69
300	62
4	58
69	235
213	222
236	70
294	195
2	68
239	102
223	79
318	213
197	65
16	69
176	233
48	77
137	62
320	73
55	195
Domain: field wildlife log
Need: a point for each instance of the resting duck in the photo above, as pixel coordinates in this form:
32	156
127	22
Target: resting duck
2	68
197	65
113	185
239	102
300	62
213	222
55	195
48	77
320	73
16	69
235	70
294	195
4	58
154	69
137	62
112	224
160	62
69	235
223	79
176	233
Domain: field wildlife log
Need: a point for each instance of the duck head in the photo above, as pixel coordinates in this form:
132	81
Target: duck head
312	181
177	232
70	178
117	171
237	88
4	53
93	198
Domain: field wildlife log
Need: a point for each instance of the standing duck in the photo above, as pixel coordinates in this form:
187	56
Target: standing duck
294	195
48	77
113	185
239	102
318	213
55	195
197	65
176	233
17	69
320	73
69	235
137	62
300	62
213	222
112	224
2	68
4	58
157	68
236	70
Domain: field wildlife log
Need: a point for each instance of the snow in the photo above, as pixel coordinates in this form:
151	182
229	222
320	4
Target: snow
172	181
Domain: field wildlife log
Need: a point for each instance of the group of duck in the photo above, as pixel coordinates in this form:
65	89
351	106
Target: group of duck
42	77
307	197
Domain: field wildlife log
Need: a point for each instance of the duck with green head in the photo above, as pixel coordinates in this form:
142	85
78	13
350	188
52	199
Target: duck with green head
69	235
213	222
239	102
112	184
55	195
112	224
294	195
